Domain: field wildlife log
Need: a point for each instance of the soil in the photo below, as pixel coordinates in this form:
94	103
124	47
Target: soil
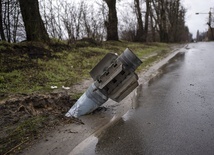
24	115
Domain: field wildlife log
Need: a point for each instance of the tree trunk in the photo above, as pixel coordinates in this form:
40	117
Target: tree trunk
34	26
146	20
8	23
153	38
111	25
139	36
1	23
163	27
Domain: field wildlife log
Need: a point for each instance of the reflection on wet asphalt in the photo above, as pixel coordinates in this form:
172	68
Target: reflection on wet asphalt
175	114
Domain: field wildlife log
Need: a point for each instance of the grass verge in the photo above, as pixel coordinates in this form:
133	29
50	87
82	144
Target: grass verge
34	67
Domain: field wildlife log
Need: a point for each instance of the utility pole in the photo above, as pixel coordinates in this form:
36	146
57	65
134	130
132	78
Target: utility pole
209	23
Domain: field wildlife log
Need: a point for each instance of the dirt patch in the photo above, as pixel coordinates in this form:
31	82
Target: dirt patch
24	118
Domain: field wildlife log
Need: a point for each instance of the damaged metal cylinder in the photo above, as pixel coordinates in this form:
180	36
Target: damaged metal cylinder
88	102
114	78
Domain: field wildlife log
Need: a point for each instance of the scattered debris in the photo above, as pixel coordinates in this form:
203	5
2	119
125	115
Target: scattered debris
53	87
66	88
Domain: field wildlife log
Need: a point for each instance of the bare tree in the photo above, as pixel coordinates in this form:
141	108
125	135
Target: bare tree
34	25
67	20
128	30
15	15
140	29
72	19
153	28
103	17
51	13
146	20
7	22
1	23
10	20
169	17
93	23
142	26
111	24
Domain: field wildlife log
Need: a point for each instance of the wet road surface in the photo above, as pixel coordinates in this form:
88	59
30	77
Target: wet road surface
175	115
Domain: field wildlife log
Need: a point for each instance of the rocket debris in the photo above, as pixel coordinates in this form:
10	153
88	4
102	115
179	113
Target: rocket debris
114	77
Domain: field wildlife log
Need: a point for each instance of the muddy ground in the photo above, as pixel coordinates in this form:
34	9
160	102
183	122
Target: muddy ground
23	117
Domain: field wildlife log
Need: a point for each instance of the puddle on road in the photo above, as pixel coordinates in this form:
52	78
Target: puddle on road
127	115
171	65
88	146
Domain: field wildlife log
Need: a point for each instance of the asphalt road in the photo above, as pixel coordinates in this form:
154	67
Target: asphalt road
175	114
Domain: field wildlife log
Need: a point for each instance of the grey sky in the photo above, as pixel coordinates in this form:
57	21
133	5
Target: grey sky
197	22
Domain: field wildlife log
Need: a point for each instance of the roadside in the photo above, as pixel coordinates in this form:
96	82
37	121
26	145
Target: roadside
27	118
65	138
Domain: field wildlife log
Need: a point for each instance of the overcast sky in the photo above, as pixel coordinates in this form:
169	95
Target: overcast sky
197	22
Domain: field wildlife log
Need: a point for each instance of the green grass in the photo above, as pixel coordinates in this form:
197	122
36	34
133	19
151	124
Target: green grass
20	134
66	66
